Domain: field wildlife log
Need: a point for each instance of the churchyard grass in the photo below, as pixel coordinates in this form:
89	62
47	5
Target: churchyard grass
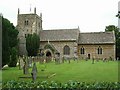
83	71
0	79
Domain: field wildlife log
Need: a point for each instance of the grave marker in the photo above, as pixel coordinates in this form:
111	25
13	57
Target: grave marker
34	72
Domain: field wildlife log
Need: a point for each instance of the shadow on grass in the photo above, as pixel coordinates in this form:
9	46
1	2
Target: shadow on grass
38	77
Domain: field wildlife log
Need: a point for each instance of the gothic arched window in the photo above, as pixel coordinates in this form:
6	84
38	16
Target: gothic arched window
66	50
99	50
82	50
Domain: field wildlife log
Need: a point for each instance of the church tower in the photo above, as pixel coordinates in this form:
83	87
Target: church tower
27	24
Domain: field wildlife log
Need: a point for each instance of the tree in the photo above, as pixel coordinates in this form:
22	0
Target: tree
13	57
117	37
118	15
5	42
9	40
32	44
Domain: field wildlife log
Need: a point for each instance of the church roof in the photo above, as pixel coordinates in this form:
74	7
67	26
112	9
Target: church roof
59	35
96	38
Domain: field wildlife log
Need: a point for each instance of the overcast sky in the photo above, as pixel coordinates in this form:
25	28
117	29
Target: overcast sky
89	15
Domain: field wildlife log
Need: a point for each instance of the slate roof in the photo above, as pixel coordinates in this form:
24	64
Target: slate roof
97	38
59	35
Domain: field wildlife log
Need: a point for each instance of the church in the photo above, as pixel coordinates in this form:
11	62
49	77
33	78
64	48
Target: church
65	42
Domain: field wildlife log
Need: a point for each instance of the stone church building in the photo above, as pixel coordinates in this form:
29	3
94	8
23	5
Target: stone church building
65	42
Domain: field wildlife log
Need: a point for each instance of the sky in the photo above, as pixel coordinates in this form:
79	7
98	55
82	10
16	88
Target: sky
89	15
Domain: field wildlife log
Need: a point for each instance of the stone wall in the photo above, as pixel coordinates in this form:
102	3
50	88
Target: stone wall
107	51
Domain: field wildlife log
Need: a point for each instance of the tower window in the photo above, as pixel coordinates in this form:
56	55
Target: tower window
26	22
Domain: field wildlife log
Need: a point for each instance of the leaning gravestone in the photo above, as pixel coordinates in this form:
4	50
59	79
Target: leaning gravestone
34	72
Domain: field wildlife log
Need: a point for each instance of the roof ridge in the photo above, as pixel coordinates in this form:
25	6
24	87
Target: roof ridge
60	29
95	32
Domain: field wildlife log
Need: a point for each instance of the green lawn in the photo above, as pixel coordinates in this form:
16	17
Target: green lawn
81	71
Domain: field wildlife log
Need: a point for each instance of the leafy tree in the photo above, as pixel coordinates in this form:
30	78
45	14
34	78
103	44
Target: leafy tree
5	42
32	44
9	40
13	58
117	37
118	15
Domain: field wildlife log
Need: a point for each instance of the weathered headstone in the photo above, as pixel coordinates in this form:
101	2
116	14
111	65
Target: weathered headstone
21	63
30	61
33	59
69	60
25	67
86	59
57	58
41	59
93	61
34	72
62	59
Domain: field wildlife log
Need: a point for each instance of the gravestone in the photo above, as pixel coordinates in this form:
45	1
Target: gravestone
30	61
57	58
86	59
93	61
42	59
62	59
69	60
26	66
33	59
21	63
34	72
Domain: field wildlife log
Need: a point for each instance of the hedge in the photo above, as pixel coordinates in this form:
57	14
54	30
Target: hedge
70	85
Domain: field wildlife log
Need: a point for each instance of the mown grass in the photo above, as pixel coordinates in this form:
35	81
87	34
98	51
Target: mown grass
0	79
83	71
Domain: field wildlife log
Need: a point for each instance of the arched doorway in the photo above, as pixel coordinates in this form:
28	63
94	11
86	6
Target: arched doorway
48	54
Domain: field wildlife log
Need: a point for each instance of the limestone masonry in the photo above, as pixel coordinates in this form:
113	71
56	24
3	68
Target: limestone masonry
66	42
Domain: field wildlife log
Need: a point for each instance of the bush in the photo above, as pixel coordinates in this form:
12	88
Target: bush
13	58
70	85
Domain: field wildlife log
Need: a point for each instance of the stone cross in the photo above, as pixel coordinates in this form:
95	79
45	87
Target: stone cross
34	72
